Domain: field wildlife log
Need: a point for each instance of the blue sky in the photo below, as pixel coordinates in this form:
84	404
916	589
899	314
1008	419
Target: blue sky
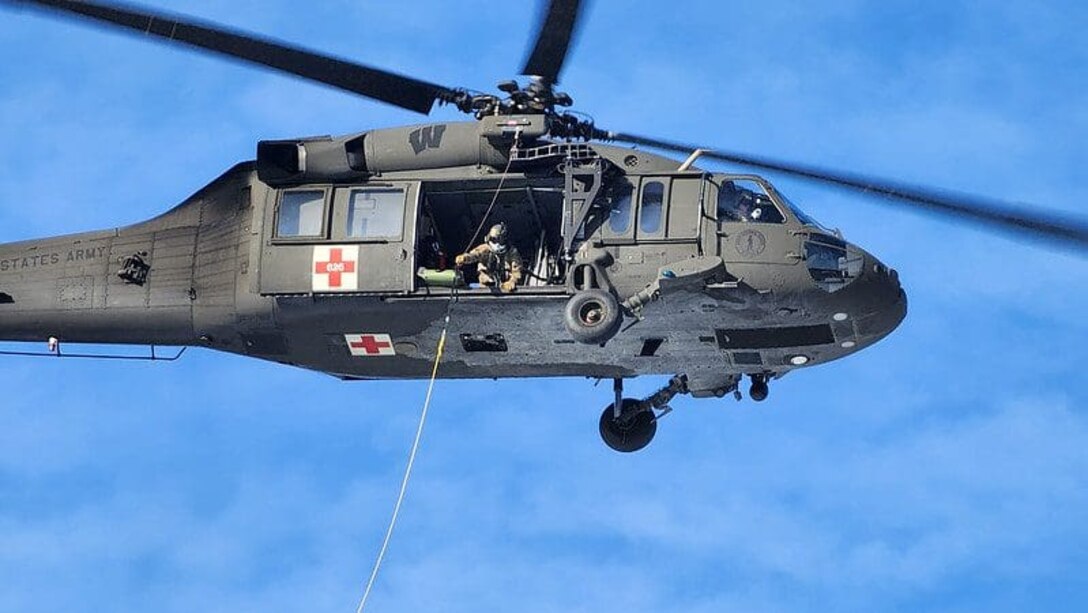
944	469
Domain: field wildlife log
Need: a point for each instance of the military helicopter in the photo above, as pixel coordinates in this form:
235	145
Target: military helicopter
334	253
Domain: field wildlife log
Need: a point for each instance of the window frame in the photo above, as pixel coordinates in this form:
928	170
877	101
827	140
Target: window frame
342	228
663	221
308	238
784	213
341	208
605	231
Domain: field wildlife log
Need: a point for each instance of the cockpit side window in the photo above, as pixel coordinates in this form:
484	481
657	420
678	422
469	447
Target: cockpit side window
743	201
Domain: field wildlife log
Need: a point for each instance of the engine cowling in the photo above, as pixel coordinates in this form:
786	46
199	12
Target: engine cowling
356	157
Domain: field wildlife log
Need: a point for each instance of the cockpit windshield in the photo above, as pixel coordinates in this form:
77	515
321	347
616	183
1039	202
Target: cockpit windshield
746	200
801	216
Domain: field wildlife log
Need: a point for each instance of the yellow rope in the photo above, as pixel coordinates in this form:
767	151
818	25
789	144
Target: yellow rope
411	462
430	390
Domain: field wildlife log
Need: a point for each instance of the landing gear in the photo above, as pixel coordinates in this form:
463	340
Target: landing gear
632	430
628	424
759	389
592	316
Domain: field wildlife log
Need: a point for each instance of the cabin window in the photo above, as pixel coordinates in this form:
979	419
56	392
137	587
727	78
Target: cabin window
653	203
375	214
301	214
619	216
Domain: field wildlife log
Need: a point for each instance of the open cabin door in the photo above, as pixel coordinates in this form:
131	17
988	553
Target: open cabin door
340	239
456	215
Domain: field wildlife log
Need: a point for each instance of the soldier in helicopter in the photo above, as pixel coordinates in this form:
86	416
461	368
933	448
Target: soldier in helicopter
498	263
736	204
741	204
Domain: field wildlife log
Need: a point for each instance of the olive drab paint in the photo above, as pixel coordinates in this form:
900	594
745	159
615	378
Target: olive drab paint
219	276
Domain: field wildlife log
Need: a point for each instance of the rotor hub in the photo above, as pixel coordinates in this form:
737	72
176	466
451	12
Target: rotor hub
537	97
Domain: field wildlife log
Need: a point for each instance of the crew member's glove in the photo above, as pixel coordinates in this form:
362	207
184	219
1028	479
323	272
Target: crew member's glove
507	286
459	260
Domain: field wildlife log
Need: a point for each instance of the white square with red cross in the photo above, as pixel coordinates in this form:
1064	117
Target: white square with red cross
335	268
370	345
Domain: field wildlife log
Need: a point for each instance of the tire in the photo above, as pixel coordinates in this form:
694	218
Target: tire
593	316
631	433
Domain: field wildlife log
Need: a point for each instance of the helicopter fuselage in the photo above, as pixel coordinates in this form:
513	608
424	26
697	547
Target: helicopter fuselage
335	255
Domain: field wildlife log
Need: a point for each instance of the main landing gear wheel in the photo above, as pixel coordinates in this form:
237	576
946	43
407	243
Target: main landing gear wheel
593	316
633	430
635	424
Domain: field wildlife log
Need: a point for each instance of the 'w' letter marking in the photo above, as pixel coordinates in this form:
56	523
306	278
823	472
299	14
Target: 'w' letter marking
428	137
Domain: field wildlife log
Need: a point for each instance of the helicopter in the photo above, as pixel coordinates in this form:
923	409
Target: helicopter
637	264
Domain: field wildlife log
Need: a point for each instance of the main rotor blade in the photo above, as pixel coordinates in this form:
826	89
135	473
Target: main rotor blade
395	89
1019	220
553	40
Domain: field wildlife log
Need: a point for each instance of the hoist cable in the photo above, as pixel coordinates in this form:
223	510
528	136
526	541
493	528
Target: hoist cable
427	400
498	190
411	462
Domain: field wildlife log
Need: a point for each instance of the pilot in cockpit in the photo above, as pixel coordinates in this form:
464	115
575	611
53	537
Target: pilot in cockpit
747	209
736	204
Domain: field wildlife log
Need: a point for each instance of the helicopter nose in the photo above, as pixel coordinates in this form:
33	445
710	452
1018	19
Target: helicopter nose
884	299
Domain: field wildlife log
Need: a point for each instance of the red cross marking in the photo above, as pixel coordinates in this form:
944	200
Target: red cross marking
335	267
370	345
